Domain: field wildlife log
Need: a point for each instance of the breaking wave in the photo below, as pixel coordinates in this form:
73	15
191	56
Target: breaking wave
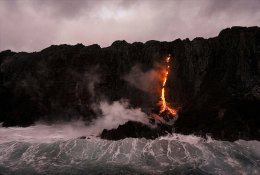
59	153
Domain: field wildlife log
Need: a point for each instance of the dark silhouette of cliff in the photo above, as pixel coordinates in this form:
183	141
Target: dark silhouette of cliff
213	82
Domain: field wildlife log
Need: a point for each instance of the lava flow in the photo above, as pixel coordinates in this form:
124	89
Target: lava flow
164	106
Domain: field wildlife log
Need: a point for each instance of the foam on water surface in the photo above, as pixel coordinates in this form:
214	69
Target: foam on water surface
43	149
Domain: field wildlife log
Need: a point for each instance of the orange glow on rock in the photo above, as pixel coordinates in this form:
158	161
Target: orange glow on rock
164	106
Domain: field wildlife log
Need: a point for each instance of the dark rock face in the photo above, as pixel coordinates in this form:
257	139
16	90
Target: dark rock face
213	82
216	82
136	130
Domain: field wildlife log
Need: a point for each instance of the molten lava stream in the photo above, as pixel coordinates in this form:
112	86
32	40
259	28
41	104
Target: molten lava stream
164	106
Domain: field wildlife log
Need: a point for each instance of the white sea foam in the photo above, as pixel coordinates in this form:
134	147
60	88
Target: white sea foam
172	154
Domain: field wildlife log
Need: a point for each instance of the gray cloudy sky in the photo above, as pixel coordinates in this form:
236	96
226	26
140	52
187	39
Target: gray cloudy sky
31	25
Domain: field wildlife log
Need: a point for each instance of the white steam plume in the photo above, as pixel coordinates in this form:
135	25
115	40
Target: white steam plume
117	113
145	81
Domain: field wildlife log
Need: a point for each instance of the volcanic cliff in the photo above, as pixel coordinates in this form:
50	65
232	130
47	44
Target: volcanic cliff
214	83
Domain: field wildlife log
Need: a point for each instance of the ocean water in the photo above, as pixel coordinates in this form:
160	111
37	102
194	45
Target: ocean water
55	149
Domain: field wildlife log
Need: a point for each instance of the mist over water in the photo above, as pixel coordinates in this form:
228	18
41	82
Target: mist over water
43	133
113	115
55	149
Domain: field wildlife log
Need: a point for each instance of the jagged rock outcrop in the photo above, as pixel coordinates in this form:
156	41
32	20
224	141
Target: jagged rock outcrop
136	130
213	82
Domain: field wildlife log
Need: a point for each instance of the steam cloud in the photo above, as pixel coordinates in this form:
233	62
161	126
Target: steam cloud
115	114
145	81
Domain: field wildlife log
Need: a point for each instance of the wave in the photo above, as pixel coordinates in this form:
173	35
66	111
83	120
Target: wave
172	154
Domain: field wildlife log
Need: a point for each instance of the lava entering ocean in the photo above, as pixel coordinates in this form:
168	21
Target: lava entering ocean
164	106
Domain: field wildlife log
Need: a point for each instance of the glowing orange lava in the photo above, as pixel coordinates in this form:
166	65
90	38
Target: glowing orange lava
164	106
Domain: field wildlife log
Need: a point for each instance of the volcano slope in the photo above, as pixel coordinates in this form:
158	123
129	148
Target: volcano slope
214	84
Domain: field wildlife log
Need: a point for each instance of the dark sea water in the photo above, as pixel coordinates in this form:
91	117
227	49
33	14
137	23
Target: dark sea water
43	149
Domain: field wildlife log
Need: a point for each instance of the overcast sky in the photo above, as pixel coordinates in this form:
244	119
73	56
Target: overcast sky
32	25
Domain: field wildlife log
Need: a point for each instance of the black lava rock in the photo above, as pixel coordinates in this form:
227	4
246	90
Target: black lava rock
136	130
